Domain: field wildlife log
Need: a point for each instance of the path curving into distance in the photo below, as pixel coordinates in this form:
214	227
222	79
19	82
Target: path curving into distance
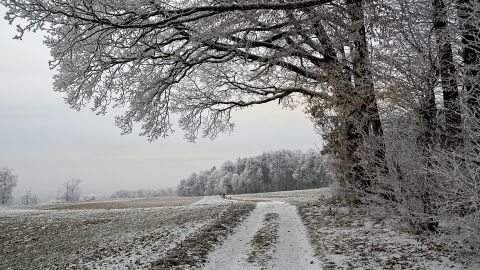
272	237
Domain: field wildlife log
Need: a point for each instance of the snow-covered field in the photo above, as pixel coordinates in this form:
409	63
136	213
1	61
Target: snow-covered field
120	203
130	238
280	230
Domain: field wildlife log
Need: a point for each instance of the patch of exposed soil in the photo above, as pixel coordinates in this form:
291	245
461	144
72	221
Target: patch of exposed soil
264	241
98	239
193	251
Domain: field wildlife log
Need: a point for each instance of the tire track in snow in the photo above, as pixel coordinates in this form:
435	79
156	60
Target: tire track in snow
293	250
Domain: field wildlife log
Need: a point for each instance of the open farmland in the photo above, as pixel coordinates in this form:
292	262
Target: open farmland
123	203
98	238
278	230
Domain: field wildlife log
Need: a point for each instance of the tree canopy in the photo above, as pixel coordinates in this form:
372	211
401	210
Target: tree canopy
197	59
272	171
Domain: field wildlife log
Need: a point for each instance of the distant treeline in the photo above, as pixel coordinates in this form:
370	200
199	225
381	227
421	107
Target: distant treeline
143	193
273	171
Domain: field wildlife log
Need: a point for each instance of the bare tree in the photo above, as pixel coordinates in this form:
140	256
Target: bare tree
8	181
70	191
29	198
202	60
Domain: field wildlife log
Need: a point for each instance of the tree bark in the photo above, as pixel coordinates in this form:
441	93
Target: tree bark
366	112
357	119
468	13
345	138
448	73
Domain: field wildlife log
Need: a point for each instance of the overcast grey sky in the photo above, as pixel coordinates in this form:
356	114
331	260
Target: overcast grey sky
47	143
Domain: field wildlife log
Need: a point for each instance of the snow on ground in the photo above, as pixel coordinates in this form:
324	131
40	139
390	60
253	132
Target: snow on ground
212	200
145	248
272	236
97	238
291	251
193	252
5	211
292	196
123	203
346	238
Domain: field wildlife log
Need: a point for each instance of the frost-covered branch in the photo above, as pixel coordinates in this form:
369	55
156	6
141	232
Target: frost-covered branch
146	55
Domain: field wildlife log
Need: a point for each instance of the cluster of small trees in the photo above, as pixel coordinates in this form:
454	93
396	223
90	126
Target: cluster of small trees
273	171
29	198
143	193
70	191
8	181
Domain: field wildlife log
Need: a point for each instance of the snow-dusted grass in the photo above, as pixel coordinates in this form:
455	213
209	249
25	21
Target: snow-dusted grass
97	238
293	196
120	203
349	238
181	237
193	252
264	241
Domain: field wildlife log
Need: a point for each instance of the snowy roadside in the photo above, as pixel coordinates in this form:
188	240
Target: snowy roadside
217	234
346	238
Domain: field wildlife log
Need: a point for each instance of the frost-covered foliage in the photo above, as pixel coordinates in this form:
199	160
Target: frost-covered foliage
272	171
8	181
143	193
29	198
196	59
426	64
70	191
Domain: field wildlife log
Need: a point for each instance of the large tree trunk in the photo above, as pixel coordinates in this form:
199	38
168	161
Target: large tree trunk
469	12
357	121
427	139
366	112
362	74
453	119
344	137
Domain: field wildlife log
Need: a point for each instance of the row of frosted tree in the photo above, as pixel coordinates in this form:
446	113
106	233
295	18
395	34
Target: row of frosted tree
272	171
143	193
68	192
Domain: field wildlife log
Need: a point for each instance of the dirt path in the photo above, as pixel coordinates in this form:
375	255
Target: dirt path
272	237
